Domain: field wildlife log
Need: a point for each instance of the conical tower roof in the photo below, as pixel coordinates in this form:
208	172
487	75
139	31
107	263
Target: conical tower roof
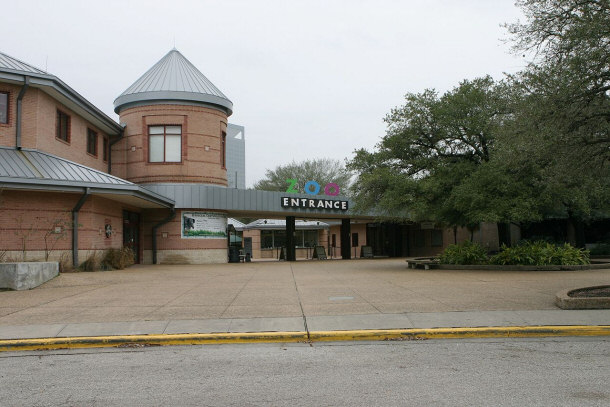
173	79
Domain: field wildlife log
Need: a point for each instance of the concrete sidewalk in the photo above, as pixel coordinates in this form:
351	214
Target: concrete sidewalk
290	297
423	320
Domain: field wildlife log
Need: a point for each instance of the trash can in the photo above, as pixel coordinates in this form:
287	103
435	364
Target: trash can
248	257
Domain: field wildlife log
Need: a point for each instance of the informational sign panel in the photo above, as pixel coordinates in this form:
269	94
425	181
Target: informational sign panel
319	253
366	252
204	225
426	225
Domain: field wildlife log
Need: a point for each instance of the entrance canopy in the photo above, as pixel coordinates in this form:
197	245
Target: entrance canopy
258	204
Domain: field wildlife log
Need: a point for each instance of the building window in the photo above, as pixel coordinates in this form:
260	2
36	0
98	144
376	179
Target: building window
223	150
266	239
105	148
92	142
310	238
165	144
3	108
271	239
63	127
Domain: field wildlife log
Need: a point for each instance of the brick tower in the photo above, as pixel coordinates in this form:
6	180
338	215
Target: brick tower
175	126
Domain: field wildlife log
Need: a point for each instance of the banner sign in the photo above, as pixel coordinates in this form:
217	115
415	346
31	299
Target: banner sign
308	203
204	225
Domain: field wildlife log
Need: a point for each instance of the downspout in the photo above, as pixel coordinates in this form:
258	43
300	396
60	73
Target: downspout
110	144
79	205
26	85
171	216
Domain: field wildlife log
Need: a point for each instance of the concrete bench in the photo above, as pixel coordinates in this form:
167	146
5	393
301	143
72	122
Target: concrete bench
426	264
27	275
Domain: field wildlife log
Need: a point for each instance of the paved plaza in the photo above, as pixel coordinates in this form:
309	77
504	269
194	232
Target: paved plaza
290	296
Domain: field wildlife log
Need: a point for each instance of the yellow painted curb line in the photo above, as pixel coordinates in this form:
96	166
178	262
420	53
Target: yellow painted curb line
315	336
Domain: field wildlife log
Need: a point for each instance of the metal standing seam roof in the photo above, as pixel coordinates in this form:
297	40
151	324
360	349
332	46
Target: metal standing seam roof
33	164
33	169
8	62
173	78
236	224
281	224
15	70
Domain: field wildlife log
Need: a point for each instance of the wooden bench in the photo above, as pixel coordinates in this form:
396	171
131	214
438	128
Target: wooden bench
426	264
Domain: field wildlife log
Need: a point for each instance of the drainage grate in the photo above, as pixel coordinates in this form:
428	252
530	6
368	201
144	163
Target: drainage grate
340	298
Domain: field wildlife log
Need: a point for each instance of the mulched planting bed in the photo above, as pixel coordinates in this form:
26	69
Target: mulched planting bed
603	291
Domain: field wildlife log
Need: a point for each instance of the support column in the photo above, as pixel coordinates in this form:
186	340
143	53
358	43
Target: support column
291	253
346	244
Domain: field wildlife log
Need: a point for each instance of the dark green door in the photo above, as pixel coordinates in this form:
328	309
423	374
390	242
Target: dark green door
131	233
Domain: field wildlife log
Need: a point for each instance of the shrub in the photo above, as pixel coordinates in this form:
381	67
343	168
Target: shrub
92	263
464	253
65	262
541	253
118	258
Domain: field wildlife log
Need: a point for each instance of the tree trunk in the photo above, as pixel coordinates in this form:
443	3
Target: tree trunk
575	231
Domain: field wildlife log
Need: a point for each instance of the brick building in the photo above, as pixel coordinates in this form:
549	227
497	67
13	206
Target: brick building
162	181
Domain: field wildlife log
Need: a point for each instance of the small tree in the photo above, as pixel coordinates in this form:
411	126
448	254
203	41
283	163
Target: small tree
24	233
56	229
322	170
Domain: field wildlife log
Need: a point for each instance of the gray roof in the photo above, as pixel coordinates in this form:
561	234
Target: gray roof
247	202
33	169
280	224
8	62
236	224
175	79
12	70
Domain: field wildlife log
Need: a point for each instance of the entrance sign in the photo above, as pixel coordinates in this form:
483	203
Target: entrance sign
313	188
308	203
204	225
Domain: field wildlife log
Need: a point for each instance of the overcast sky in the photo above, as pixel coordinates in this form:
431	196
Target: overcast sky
308	79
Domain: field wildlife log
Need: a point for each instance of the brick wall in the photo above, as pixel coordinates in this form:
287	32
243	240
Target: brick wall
359	228
38	131
27	218
172	248
201	145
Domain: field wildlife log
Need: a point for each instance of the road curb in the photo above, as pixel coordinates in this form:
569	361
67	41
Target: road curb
314	336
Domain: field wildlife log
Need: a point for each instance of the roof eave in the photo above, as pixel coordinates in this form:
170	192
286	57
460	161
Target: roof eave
144	98
38	184
48	82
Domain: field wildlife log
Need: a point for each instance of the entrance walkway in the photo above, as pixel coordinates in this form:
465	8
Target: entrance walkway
270	296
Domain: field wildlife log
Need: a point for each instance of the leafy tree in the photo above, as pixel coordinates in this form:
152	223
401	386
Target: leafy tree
432	146
563	121
532	147
323	171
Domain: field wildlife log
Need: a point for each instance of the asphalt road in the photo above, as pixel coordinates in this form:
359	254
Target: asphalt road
509	372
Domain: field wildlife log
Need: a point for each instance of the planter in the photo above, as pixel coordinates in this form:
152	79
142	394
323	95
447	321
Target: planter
522	268
570	299
25	276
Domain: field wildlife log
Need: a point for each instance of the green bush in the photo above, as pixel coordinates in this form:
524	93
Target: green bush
540	253
464	253
118	258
